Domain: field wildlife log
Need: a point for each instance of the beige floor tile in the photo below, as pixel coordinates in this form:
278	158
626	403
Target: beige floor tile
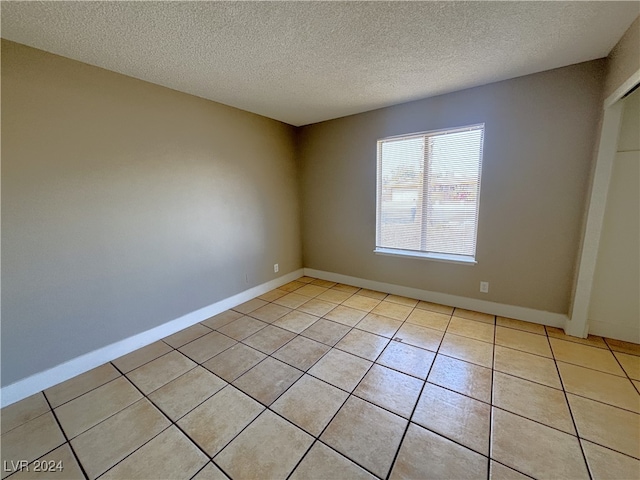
520	325
217	421
301	353
462	377
292	286
457	417
472	315
539	451
526	365
139	357
622	346
187	335
334	296
435	307
268	380
311	290
62	456
21	412
323	463
87	410
234	361
326	331
374	323
269	437
107	443
186	392
76	386
306	279
392	310
407	359
222	319
446	459
296	321
345	315
606	388
341	369
269	339
366	434
323	283
210	472
606	464
524	341
605	425
637	384
270	312
419	336
532	400
591	340
30	440
250	306
345	288
272	295
160	371
242	328
497	471
409	302
467	349
205	347
630	364
310	404
372	294
292	300
427	318
316	307
585	356
389	389
360	302
472	329
169	455
363	344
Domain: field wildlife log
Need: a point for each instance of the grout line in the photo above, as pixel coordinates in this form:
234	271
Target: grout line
64	434
566	399
493	370
171	423
404	434
637	388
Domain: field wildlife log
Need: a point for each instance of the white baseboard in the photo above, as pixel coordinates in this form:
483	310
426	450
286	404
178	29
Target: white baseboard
48	378
512	311
627	333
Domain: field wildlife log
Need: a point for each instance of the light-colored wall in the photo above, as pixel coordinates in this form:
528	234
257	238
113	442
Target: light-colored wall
126	205
539	138
624	59
615	302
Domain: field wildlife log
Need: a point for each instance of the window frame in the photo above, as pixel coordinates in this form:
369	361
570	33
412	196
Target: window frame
420	254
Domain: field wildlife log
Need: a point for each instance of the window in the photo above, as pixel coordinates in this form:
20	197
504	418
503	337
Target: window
428	194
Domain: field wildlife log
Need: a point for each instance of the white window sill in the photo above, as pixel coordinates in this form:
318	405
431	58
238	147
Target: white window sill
438	257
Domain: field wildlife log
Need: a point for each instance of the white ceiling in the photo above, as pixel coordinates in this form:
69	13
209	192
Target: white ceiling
304	62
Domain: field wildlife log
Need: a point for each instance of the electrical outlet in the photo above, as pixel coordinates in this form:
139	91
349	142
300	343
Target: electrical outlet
275	268
484	287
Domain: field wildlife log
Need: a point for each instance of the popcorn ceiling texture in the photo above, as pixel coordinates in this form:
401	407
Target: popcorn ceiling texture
305	62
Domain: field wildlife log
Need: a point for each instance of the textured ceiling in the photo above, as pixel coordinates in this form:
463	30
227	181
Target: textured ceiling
304	62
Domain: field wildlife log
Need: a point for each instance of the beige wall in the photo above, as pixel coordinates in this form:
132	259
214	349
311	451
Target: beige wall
624	59
126	205
615	303
539	138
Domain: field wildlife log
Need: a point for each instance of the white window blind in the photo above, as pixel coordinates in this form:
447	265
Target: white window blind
428	192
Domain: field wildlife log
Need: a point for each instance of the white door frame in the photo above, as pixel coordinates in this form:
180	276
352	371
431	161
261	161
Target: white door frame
577	323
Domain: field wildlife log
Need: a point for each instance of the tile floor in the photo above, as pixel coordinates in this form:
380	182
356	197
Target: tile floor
316	380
